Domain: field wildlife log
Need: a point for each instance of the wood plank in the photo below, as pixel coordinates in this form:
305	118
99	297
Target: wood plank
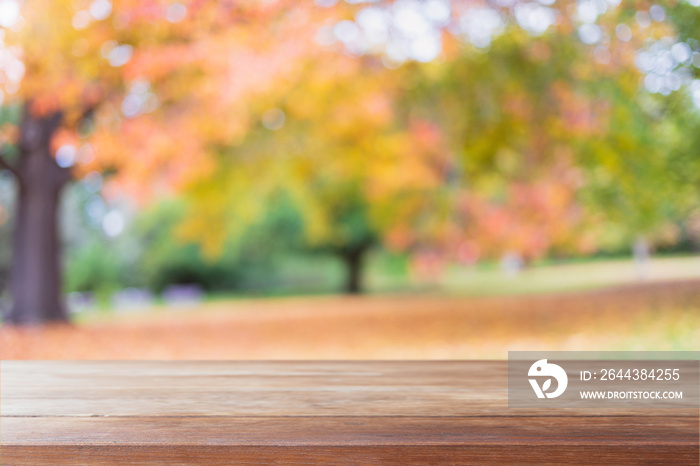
357	430
341	455
217	412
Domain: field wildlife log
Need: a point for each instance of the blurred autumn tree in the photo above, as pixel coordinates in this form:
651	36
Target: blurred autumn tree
56	76
330	141
111	78
565	123
523	120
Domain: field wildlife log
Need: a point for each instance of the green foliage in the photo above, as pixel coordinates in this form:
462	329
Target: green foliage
96	268
349	216
246	261
686	18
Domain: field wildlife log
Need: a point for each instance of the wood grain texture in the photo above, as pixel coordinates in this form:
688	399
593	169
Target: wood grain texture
350	412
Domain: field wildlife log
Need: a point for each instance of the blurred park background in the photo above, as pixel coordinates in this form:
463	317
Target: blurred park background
348	179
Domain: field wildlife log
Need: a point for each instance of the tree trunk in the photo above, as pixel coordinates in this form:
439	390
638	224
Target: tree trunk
354	262
36	273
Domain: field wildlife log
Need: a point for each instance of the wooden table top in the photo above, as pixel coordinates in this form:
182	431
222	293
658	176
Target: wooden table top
350	412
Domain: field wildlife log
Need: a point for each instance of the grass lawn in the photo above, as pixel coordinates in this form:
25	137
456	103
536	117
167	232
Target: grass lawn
569	277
